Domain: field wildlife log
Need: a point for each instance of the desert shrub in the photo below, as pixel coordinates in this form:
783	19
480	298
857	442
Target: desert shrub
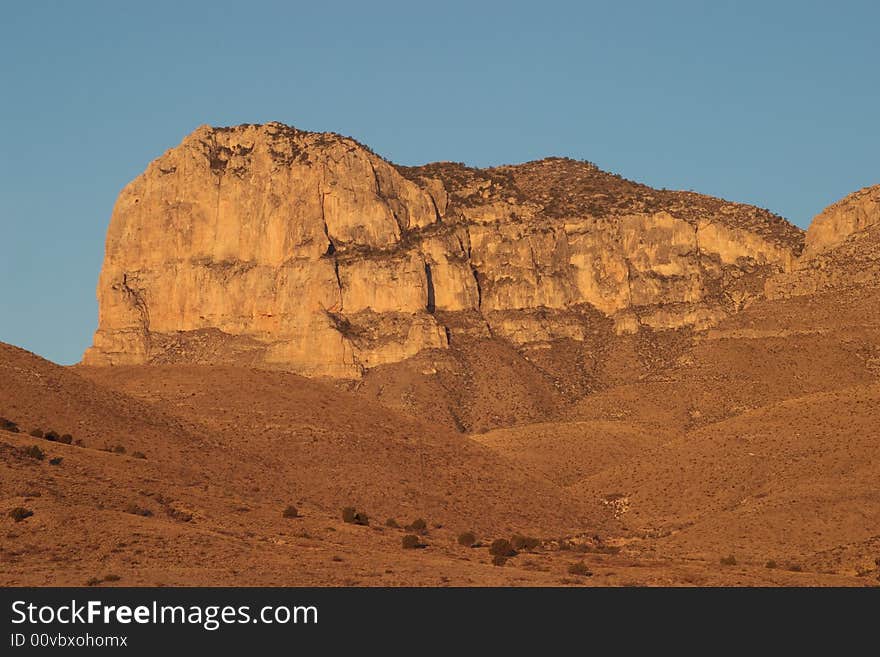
66	438
118	449
795	568
729	560
51	435
290	512
138	455
599	548
354	517
418	526
499	560
179	514
8	425
564	544
136	510
36	433
56	461
343	325
391	522
502	547
524	542
34	452
112	578
411	542
94	581
467	539
770	564
580	569
19	513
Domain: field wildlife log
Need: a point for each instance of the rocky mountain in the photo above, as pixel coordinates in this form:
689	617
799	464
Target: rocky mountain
842	249
634	386
858	211
266	245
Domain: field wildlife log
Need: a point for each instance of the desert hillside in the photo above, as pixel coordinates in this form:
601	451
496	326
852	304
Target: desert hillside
181	455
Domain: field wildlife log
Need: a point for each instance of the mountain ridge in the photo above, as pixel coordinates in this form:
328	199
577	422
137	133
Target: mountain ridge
308	252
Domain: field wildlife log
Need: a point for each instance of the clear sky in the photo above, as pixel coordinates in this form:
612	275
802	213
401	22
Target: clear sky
770	103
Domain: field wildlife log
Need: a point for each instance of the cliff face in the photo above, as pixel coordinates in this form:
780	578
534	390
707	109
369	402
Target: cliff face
276	247
842	249
838	221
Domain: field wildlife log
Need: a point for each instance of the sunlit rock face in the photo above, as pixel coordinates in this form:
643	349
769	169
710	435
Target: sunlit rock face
838	221
842	249
267	245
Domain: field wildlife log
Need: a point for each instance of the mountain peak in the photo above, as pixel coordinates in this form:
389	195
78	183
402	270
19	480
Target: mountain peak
307	251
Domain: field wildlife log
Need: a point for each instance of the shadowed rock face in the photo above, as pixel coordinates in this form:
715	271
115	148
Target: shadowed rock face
266	245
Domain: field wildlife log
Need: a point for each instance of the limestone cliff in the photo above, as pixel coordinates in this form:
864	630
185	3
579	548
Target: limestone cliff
277	247
842	249
839	220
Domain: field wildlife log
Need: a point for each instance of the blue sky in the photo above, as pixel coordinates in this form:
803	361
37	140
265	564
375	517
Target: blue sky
771	103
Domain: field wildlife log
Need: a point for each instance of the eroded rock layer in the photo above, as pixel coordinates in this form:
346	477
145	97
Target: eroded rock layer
271	246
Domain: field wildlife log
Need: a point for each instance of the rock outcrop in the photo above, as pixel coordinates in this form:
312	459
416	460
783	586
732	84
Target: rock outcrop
842	249
839	220
277	247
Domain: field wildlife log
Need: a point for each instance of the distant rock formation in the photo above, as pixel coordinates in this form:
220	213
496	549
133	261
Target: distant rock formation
838	221
842	249
267	245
